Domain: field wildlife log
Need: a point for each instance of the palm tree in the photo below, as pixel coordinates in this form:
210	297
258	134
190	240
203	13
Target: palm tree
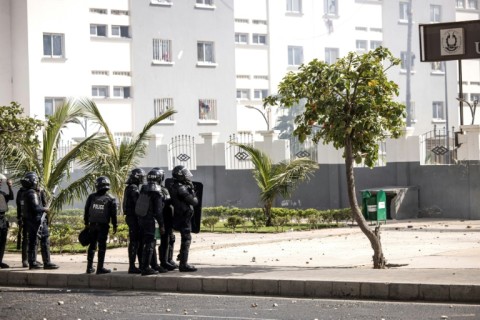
115	160
51	167
277	179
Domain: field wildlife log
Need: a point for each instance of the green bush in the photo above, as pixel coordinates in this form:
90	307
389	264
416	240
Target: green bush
210	222
233	222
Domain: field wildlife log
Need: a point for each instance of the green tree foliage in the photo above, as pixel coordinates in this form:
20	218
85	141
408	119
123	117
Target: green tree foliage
277	179
349	104
116	159
16	129
210	222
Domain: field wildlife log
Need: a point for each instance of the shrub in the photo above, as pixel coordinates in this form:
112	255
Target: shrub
233	222
210	222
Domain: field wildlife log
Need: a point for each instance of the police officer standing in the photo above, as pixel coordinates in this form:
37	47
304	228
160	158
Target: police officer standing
100	210
183	199
130	196
167	240
4	198
149	209
35	213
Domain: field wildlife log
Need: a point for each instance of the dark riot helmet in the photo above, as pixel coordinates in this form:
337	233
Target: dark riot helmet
102	183
182	173
137	176
155	175
30	181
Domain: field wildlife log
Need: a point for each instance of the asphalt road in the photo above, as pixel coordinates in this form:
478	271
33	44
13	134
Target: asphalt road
39	303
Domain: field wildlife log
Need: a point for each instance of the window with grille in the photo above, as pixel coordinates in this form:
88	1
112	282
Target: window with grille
241	38
98	30
331	7
53	45
361	45
205	2
331	55
207	109
294	6
435	13
374	44
205	52
438	112
259	94
259	38
460	4
121	31
100	91
51	104
295	55
100	11
162	105
162	50
243	94
473	4
121	92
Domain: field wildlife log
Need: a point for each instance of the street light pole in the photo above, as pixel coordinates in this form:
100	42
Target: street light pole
263	115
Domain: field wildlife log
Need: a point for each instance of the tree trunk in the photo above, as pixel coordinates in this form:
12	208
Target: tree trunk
373	236
267	209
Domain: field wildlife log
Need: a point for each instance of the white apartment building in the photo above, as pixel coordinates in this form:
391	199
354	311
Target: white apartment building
136	58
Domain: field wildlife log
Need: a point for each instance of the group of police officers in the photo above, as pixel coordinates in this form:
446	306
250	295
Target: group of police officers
147	202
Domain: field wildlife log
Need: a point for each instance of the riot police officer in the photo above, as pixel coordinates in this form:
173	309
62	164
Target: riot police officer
100	210
37	223
149	209
130	196
183	199
4	198
167	240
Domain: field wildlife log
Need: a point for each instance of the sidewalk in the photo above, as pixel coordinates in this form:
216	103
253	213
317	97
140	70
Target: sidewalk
428	259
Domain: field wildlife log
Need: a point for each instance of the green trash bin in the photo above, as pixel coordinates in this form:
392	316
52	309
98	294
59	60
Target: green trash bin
374	205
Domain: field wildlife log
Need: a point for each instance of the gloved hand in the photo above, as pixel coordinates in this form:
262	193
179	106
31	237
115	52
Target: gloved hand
114	229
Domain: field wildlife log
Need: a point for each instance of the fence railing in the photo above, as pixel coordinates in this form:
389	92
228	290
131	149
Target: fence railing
235	157
438	147
182	151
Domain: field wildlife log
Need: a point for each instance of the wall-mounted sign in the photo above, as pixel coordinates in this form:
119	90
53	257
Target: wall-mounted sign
450	41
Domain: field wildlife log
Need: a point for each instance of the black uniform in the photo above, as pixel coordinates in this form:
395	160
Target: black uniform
167	240
183	199
130	197
147	226
100	210
35	213
4	198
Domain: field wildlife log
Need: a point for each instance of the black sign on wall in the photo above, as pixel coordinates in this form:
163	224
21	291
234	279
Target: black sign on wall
450	41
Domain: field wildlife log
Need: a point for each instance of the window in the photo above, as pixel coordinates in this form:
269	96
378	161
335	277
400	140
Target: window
100	11
403	63
100	91
161	2
460	3
473	4
403	11
259	38
331	55
99	30
361	45
474	97
374	44
53	45
294	6
438	111
331	7
207	109
205	2
260	94
243	94
241	38
162	105
437	66
51	104
295	56
119	12
120	31
121	92
435	13
162	50
205	52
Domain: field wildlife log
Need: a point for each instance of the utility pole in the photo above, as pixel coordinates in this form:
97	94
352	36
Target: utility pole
408	64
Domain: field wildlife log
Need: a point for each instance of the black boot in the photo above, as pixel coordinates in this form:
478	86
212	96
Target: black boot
2	251
183	256
170	260
47	264
90	255
101	260
147	255
132	256
163	254
24	246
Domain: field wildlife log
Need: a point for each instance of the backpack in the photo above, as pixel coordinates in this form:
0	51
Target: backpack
142	205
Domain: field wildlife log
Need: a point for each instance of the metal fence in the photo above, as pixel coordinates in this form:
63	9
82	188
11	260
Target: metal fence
306	149
182	151
235	157
438	147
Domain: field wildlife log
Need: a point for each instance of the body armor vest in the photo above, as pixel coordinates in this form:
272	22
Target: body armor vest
99	209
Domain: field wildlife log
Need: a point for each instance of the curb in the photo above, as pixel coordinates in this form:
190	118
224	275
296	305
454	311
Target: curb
248	286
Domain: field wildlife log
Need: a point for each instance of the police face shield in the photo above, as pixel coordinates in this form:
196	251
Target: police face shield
187	174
